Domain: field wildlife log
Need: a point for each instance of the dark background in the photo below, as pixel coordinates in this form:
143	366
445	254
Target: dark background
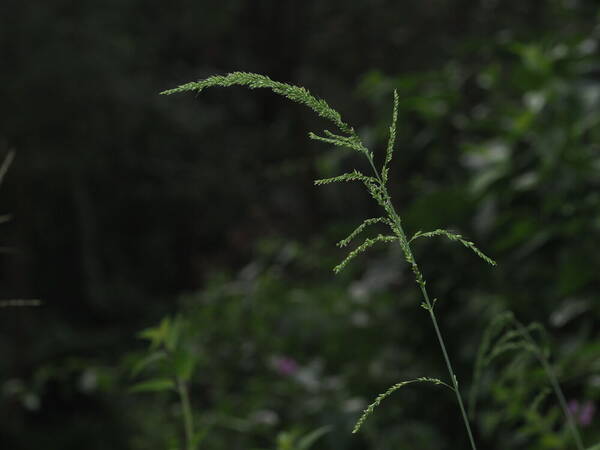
128	206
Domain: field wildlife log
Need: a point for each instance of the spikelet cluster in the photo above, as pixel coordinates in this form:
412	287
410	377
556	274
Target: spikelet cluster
256	81
375	185
368	243
355	175
458	238
369	410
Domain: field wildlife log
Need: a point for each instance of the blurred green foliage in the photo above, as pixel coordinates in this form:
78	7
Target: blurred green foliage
124	200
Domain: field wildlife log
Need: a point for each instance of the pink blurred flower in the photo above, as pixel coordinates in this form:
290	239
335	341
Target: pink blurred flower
583	413
285	365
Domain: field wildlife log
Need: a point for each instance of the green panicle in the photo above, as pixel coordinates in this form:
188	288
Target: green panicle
376	185
391	140
492	331
340	141
361	227
369	242
455	237
369	410
254	81
517	336
351	176
500	349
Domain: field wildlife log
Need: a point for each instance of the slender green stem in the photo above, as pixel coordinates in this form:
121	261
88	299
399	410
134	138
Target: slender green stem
405	245
554	382
188	420
563	403
430	309
449	366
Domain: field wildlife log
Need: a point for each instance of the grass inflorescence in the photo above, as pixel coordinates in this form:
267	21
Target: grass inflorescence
376	184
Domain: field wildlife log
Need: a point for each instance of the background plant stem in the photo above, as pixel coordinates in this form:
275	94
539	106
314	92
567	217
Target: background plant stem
188	420
539	354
